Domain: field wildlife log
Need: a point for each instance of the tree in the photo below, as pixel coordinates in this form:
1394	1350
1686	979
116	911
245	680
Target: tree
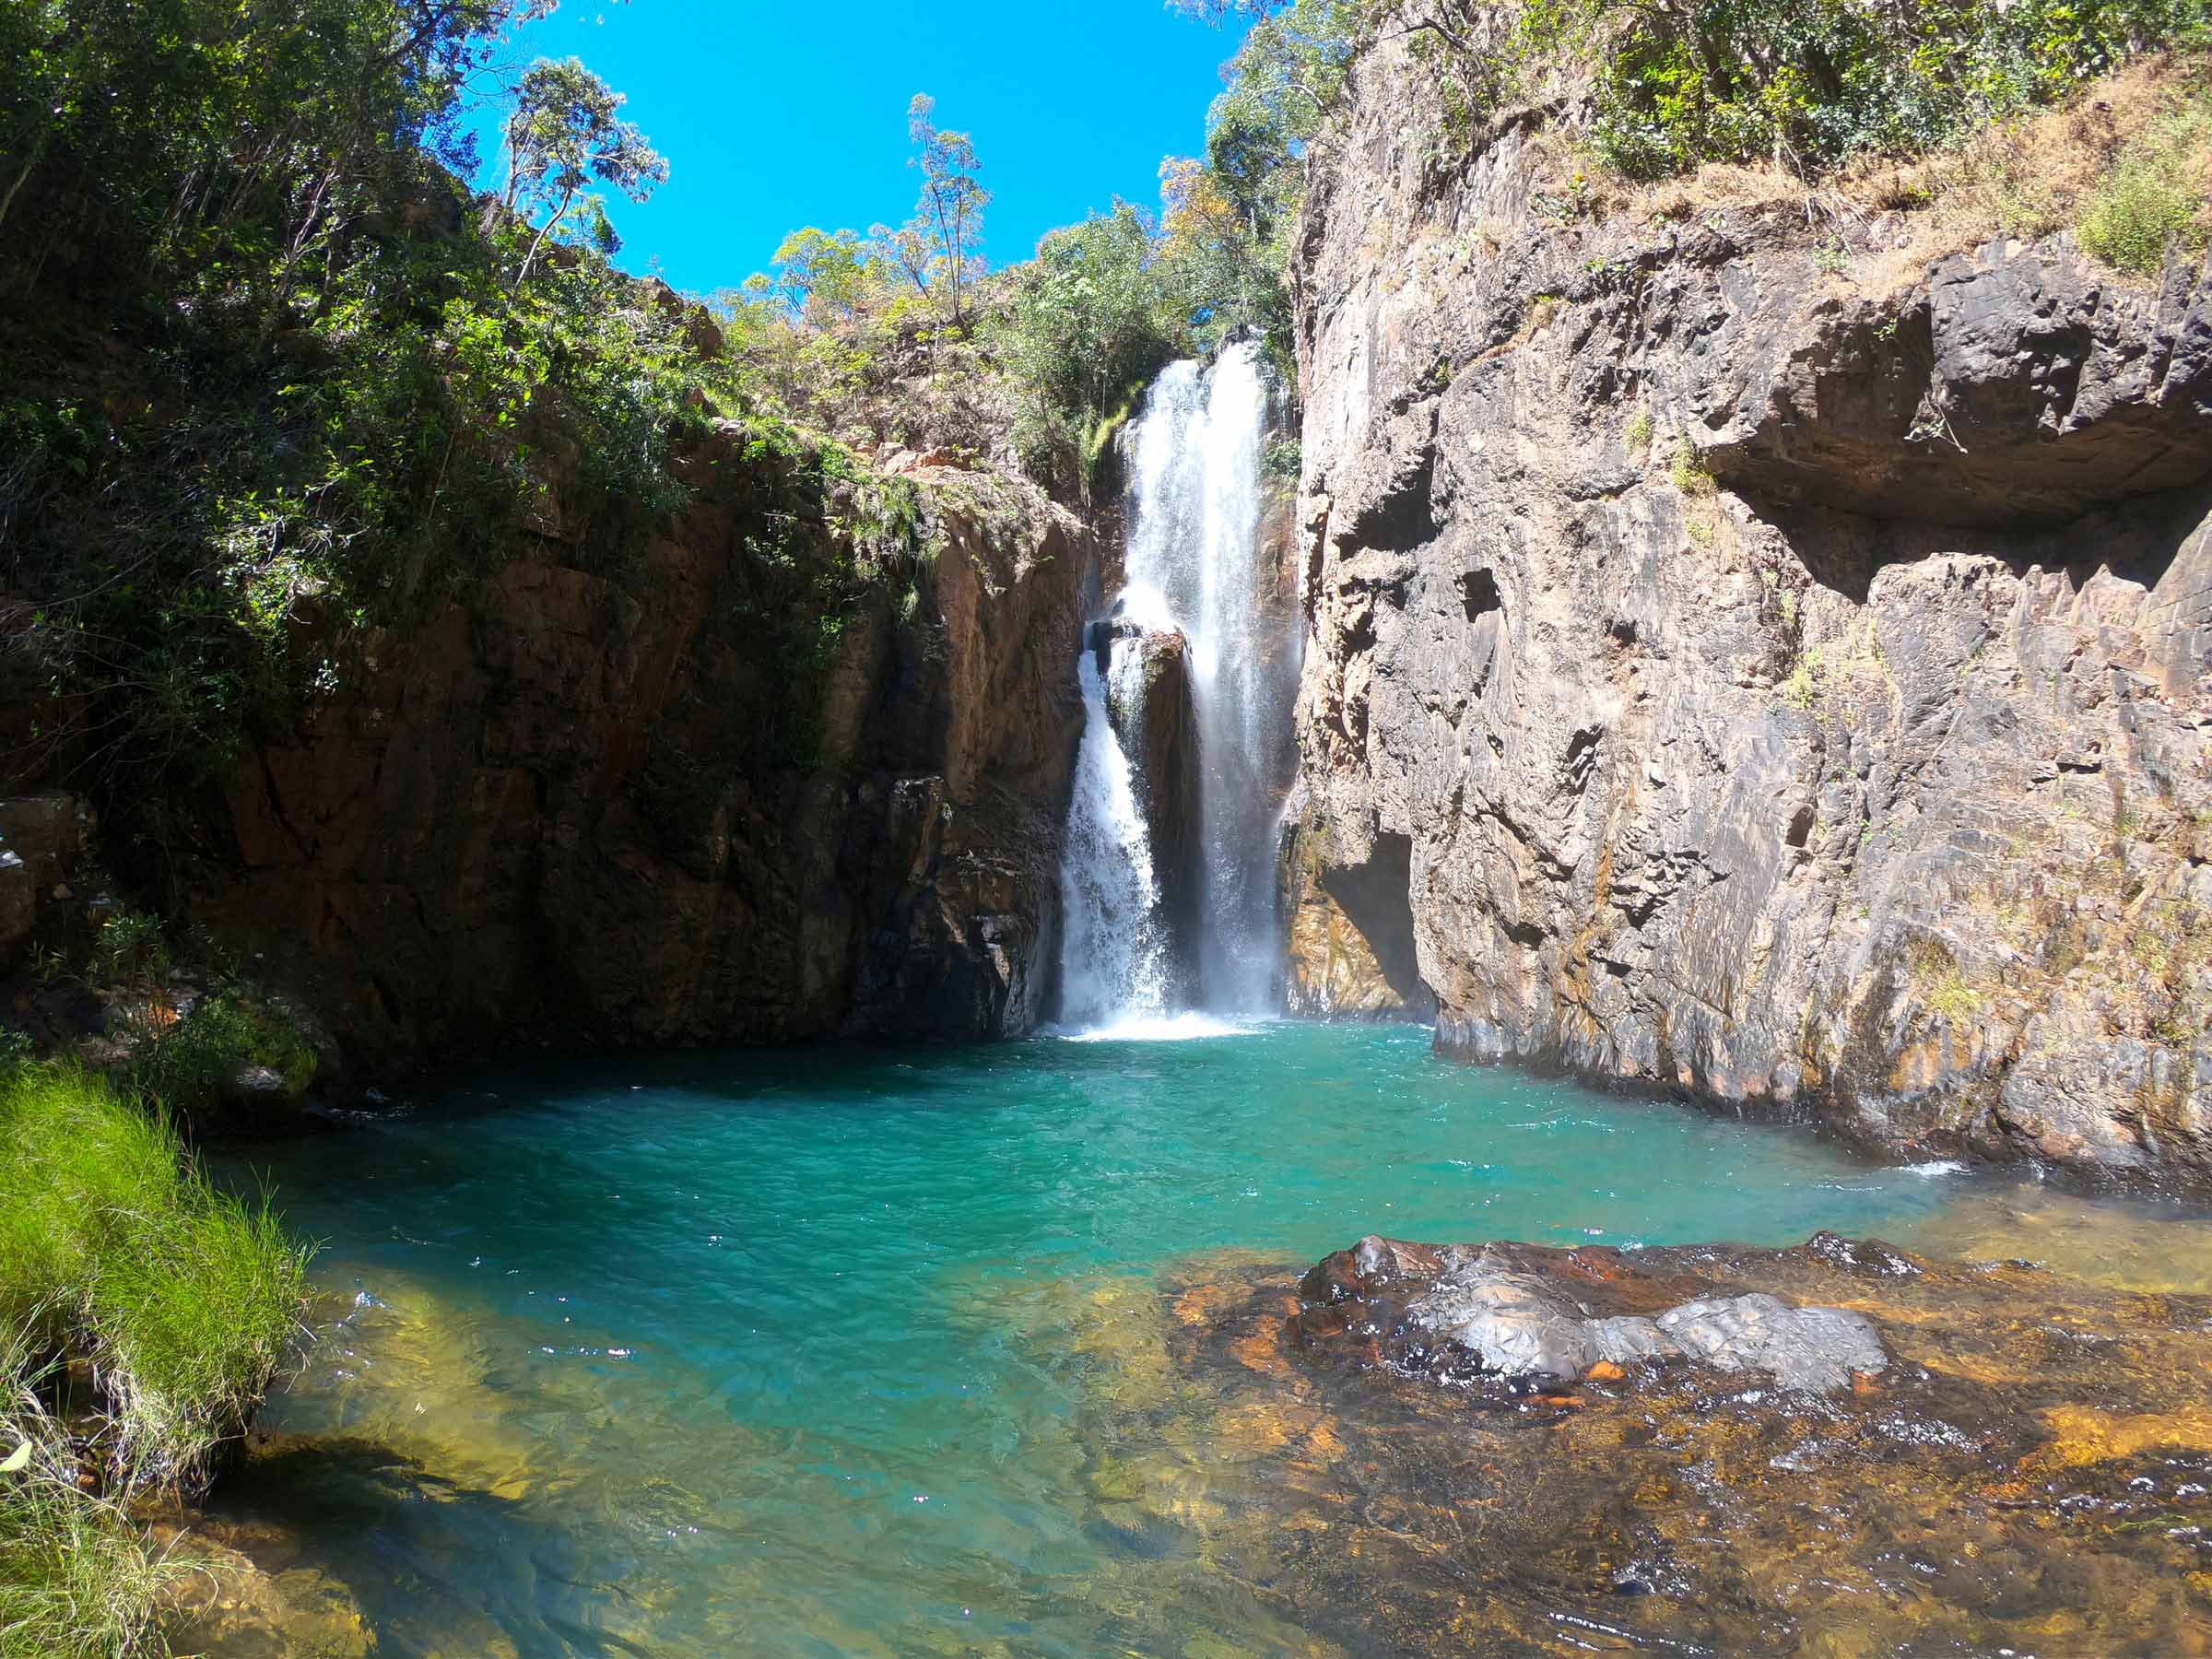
938	248
565	131
1093	318
821	274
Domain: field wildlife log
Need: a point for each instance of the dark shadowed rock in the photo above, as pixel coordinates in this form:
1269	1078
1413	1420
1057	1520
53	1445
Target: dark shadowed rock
660	805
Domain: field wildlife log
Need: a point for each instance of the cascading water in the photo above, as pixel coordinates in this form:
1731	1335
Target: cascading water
1112	956
1194	565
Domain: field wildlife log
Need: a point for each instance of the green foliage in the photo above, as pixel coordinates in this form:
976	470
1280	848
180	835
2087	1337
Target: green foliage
1687	474
113	1249
939	250
2155	196
566	129
129	950
332	397
1805	83
1092	318
187	1065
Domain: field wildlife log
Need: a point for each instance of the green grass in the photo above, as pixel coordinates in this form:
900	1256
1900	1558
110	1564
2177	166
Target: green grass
184	1301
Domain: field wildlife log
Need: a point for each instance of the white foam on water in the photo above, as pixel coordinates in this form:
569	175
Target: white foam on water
1162	1027
1940	1166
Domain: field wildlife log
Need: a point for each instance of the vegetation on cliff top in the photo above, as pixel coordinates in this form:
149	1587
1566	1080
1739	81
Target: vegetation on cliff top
1677	84
276	380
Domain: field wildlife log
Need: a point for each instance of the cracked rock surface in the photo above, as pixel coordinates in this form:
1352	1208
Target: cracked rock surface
1787	685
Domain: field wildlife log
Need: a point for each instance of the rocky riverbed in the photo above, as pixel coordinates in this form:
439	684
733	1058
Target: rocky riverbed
1836	1449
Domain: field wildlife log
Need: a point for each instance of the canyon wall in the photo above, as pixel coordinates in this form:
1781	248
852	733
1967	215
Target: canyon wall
662	803
1754	662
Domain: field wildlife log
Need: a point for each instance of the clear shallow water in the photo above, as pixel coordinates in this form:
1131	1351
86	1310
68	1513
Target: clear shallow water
814	1351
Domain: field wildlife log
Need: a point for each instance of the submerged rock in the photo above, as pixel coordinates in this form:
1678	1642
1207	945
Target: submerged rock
1839	1448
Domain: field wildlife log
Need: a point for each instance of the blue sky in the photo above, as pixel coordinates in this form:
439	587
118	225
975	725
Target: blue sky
779	113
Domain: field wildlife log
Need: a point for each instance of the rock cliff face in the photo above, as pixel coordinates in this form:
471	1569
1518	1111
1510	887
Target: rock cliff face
1783	683
662	804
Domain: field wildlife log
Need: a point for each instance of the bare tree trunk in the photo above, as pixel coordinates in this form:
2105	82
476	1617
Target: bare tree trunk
539	240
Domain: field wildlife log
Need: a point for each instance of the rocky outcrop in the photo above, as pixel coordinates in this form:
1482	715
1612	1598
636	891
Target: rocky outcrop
1788	673
1150	702
758	781
1349	927
1510	1311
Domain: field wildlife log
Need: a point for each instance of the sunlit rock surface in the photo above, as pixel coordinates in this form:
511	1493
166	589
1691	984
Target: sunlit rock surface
1787	683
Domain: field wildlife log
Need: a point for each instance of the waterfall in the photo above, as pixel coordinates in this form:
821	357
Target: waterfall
1113	961
1193	568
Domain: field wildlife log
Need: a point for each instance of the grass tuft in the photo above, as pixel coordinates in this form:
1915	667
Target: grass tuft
2154	197
77	1581
183	1300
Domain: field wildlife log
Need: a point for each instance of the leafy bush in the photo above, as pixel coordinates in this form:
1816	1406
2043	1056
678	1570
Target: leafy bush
117	1251
129	950
332	397
2154	197
188	1065
1805	83
1092	319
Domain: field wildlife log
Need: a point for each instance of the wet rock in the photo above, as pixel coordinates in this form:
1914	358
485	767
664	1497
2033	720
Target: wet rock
1836	1448
1788	689
1525	1310
1811	1348
1152	706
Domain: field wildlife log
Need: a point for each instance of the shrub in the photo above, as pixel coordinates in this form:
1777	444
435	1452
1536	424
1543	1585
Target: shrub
2153	197
188	1065
129	950
1687	474
1805	83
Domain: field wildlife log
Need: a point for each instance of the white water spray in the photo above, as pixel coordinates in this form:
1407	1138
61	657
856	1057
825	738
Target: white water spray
1114	964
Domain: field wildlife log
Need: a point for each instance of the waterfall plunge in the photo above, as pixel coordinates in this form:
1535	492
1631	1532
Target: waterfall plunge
1194	564
1114	964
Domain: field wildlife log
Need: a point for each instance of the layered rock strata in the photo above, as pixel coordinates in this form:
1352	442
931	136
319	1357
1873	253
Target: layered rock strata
1781	665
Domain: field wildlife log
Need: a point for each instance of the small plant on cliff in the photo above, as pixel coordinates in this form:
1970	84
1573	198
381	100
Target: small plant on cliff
2155	197
1939	985
1638	432
1687	474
